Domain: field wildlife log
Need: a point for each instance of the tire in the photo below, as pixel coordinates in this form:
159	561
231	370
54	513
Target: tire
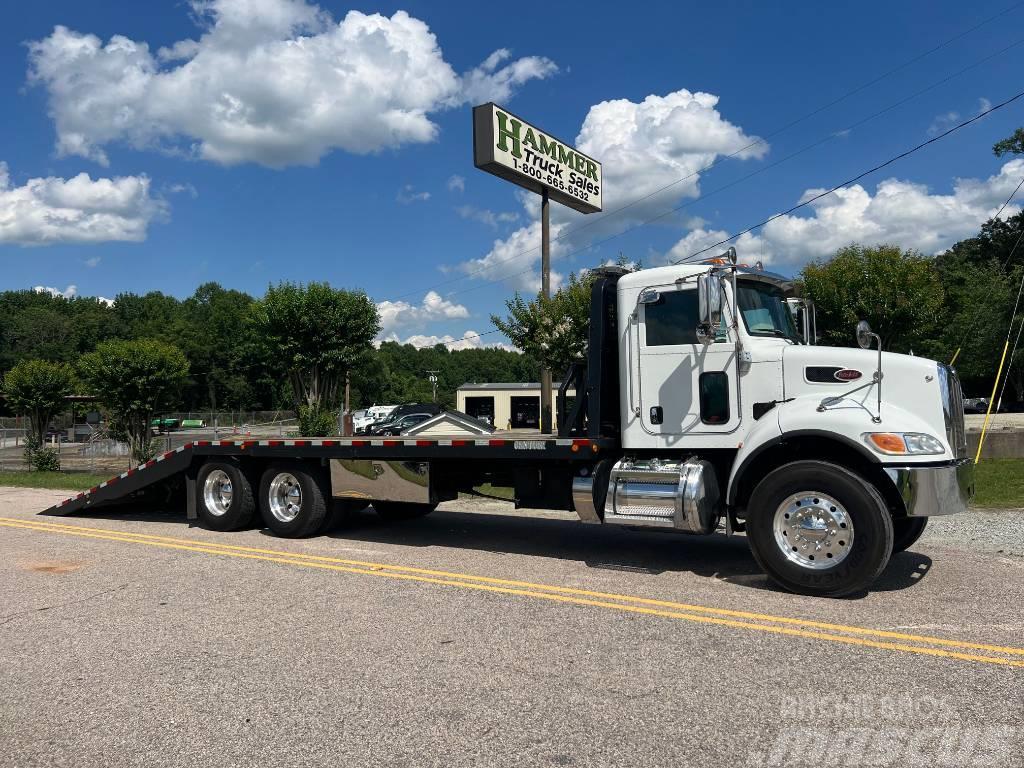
224	496
818	529
294	500
906	531
396	511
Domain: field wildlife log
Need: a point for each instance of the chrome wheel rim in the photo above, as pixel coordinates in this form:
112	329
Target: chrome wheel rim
813	530
285	497
217	493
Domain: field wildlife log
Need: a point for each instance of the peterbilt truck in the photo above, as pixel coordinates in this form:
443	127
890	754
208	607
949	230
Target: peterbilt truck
704	407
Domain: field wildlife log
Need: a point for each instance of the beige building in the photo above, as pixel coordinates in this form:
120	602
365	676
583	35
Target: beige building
506	405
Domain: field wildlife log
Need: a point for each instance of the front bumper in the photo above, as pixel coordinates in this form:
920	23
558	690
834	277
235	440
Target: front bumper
943	489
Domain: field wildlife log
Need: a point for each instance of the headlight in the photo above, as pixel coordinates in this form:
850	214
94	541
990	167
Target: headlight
902	443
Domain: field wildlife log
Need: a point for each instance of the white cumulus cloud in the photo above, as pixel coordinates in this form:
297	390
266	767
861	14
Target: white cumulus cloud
492	82
899	212
398	314
485	216
659	142
408	194
70	292
275	82
456	183
52	210
468	340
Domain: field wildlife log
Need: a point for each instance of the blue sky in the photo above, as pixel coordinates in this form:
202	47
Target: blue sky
288	141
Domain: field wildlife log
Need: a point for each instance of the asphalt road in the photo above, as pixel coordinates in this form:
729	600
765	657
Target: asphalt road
466	639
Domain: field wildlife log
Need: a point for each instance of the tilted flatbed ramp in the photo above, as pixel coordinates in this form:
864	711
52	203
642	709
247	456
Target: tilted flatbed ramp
180	460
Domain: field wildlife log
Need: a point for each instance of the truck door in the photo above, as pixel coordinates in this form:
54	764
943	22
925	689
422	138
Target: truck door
686	387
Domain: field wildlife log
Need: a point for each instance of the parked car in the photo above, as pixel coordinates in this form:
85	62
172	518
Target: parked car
375	414
397	426
360	419
431	409
975	404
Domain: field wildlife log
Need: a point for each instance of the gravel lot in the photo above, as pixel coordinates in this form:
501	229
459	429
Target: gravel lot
131	639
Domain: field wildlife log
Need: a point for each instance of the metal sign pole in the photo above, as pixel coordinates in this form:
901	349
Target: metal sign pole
545	287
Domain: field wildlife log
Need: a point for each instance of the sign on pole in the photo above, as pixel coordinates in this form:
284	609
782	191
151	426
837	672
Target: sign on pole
511	148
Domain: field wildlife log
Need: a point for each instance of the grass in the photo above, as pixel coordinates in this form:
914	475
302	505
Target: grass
496	490
999	483
66	481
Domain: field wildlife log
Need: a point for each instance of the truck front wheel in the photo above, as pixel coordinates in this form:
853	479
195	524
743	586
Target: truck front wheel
293	500
906	531
819	529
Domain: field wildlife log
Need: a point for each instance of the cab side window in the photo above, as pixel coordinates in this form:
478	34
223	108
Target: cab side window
672	319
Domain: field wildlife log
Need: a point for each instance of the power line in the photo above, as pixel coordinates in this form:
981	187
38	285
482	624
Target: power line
592	221
704	196
860	176
977	314
750	175
993	400
856	178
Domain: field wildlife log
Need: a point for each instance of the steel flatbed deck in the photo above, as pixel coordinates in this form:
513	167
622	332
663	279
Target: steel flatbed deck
434	447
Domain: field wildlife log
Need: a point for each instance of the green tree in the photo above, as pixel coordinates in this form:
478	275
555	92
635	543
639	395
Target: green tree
897	292
221	346
317	334
38	389
133	380
1013	144
553	331
981	275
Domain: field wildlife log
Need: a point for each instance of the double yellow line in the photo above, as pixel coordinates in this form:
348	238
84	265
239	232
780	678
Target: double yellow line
758	622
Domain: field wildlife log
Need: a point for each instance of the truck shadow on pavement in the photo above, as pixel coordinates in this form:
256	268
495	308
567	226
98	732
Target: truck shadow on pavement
716	557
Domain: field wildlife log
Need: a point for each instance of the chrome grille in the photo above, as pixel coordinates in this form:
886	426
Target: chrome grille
953	410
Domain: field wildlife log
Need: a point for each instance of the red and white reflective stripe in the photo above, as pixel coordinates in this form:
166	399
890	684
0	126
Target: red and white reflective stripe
526	443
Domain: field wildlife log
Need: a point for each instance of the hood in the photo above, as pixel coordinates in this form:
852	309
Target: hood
909	384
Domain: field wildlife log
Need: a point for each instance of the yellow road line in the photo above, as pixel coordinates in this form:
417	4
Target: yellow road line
299	560
380	570
534	587
569	599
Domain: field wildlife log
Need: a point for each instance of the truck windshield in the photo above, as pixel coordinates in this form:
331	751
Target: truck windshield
764	311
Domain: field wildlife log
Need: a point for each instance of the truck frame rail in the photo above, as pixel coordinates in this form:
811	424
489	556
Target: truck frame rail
184	459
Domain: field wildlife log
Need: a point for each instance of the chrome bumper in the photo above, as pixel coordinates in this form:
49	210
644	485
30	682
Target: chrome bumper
935	490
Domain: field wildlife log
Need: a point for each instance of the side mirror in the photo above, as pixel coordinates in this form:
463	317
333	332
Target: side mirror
864	335
709	306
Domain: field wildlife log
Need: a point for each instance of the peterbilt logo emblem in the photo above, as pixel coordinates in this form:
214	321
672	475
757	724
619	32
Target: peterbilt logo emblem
848	374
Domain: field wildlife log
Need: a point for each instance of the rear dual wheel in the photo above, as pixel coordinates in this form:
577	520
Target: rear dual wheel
294	500
225	500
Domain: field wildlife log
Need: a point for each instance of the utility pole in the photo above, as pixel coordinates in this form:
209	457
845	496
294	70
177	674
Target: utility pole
432	378
545	288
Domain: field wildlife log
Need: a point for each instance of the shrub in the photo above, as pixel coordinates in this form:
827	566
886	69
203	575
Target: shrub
317	422
40	458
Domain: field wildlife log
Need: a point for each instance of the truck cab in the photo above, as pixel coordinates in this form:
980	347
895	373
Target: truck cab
829	458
